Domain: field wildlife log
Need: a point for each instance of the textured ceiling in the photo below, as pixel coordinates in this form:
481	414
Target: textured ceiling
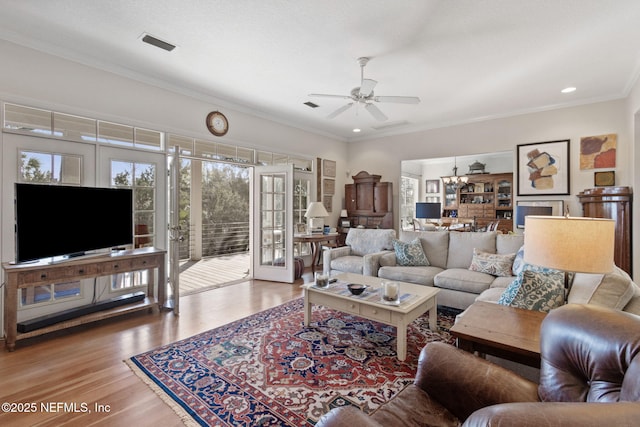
467	60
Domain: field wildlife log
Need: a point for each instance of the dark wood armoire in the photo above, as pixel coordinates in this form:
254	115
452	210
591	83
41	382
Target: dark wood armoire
369	201
614	203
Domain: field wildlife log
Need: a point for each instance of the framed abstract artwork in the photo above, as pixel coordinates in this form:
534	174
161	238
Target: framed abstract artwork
598	151
543	168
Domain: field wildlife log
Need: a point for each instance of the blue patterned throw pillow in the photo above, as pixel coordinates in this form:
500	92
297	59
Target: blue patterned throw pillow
535	288
410	254
518	262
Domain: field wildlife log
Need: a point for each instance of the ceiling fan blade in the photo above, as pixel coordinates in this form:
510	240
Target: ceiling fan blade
340	110
375	112
398	99
367	87
323	95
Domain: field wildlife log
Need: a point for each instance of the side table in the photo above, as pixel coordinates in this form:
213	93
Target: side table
507	332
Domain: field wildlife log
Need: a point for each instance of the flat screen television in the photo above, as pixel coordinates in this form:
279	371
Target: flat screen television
59	220
523	211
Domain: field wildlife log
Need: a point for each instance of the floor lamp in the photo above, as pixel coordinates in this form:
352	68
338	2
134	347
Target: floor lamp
570	244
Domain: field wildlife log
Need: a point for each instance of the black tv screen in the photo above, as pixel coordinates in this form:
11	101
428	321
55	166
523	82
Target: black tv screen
58	220
523	211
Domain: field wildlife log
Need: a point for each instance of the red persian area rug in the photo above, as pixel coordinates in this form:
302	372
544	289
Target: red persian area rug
270	370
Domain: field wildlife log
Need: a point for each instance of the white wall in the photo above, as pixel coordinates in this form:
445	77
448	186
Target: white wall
384	156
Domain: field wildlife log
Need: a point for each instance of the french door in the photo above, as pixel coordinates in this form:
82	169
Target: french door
146	174
272	223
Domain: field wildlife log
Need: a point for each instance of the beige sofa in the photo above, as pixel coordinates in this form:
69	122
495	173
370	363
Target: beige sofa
450	255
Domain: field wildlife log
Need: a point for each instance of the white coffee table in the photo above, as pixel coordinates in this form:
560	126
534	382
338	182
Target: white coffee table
370	306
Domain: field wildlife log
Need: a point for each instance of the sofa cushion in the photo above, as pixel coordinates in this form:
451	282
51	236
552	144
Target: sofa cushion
502	282
491	295
463	279
509	243
461	247
494	264
417	275
364	241
410	254
613	290
388	260
348	264
541	290
434	244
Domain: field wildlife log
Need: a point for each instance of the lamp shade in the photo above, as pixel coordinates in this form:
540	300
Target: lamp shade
343	213
581	245
428	210
316	210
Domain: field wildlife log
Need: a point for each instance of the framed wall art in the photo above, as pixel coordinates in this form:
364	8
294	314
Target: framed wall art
598	151
432	186
329	168
604	179
327	201
329	186
543	168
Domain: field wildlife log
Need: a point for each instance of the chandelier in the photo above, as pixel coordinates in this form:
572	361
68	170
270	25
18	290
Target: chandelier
455	181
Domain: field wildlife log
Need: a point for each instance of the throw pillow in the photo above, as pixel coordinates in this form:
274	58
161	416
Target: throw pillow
494	264
410	254
518	262
535	290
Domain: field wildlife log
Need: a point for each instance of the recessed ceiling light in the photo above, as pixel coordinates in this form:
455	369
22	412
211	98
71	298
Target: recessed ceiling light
568	89
356	130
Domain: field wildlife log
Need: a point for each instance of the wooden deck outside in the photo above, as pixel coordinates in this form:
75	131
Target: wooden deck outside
212	272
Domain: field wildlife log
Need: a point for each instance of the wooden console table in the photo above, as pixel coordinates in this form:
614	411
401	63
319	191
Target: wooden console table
28	275
507	332
316	241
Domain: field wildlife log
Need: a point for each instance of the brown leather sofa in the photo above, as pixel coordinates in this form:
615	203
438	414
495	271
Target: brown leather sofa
589	376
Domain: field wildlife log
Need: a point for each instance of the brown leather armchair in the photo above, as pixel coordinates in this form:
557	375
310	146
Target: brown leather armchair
589	376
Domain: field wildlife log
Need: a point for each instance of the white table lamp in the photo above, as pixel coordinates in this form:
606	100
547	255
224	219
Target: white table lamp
315	215
570	244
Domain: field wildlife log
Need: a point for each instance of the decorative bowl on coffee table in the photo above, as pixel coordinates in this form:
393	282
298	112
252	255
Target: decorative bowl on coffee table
356	288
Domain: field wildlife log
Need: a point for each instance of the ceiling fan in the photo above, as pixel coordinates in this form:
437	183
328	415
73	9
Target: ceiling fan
364	95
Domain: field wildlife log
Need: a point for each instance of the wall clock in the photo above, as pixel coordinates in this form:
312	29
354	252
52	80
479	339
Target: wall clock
217	123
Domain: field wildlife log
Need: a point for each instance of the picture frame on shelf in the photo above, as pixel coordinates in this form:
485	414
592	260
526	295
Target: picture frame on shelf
543	168
345	223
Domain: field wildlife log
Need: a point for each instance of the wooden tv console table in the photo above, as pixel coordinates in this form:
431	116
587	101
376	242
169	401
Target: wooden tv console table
23	276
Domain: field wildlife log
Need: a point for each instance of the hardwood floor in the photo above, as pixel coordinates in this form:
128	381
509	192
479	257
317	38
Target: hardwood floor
84	365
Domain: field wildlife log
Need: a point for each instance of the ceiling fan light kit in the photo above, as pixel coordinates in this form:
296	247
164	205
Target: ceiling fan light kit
364	95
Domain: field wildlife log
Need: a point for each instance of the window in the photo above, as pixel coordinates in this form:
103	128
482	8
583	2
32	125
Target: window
408	199
301	190
49	168
141	178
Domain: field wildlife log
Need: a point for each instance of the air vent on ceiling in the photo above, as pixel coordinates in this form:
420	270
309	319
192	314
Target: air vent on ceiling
311	104
154	41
